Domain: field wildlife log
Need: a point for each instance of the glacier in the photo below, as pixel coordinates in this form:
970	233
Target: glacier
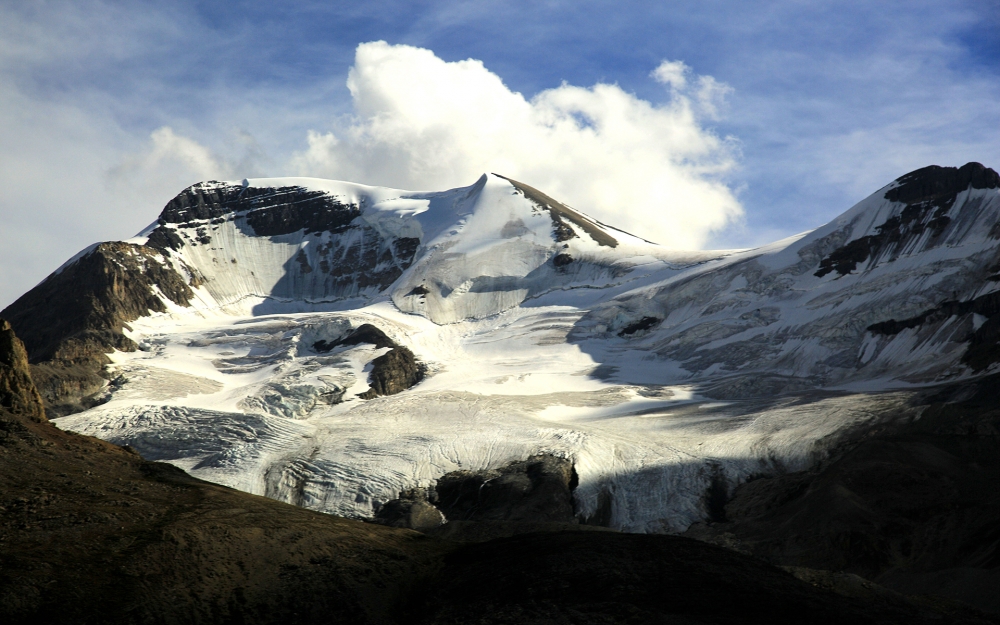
661	374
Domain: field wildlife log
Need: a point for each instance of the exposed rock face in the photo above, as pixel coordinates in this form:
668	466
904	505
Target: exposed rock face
412	510
392	372
269	211
338	256
561	260
365	333
929	194
537	489
938	188
75	317
638	326
942	184
17	392
983	343
364	261
529	495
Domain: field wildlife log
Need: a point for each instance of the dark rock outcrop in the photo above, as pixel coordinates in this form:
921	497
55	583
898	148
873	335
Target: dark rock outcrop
929	194
269	211
562	231
639	326
942	184
363	261
392	372
526	496
365	333
537	489
17	392
164	239
284	210
76	316
413	510
562	259
345	266
405	248
983	343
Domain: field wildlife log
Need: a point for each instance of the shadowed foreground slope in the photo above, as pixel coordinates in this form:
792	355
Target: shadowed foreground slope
913	506
91	533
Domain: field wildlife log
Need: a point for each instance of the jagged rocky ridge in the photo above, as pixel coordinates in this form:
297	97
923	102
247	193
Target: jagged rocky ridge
78	314
923	191
18	394
348	264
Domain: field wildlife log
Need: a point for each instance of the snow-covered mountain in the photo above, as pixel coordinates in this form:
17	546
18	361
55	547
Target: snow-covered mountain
519	326
276	245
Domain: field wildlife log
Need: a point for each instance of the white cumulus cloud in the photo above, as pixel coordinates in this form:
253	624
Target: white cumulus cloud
423	123
673	73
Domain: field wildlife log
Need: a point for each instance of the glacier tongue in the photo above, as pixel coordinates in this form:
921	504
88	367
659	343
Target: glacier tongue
501	389
664	375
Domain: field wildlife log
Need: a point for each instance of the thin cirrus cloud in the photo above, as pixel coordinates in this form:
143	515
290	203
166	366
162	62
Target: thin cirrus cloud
423	123
168	157
169	161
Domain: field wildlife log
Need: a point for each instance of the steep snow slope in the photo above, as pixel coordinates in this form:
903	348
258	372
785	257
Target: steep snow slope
666	377
870	300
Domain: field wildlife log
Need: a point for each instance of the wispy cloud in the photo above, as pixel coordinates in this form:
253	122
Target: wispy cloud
834	101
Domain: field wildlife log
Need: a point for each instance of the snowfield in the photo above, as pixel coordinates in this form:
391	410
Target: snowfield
662	374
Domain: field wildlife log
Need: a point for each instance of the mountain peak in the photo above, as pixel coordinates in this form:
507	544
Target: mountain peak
560	211
934	182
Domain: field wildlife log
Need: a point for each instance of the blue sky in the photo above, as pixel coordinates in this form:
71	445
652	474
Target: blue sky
824	104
